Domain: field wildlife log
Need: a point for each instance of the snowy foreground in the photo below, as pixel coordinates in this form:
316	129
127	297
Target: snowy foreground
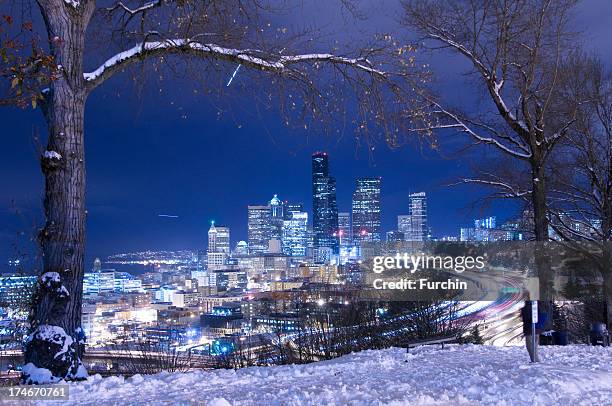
468	374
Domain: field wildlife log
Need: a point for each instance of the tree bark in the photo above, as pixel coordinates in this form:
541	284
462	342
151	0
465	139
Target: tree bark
538	200
606	272
56	339
540	219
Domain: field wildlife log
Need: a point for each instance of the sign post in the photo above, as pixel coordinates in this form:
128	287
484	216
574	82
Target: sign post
534	320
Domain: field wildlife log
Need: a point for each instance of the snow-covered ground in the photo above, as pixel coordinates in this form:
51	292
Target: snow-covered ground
468	374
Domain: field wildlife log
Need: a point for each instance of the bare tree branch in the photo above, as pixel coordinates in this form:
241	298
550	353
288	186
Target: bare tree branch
512	191
252	58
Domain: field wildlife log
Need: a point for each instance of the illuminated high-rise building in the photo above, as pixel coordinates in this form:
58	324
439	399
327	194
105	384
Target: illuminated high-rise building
291	207
259	228
419	230
404	225
218	246
218	239
488	222
366	210
277	216
216	260
324	207
295	234
345	231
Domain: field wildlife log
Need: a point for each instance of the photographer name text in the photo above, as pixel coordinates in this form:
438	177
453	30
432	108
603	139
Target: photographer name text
413	263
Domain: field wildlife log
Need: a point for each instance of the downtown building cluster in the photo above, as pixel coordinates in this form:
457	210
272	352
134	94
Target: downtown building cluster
328	234
206	299
209	299
216	294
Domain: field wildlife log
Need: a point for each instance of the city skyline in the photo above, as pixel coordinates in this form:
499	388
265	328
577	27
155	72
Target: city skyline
240	221
187	231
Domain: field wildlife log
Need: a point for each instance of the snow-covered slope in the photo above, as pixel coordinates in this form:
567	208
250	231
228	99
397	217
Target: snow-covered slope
457	374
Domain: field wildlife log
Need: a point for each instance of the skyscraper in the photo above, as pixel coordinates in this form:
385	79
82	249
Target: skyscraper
259	228
218	249
345	232
419	230
324	207
291	207
295	236
218	239
404	225
366	210
488	222
276	218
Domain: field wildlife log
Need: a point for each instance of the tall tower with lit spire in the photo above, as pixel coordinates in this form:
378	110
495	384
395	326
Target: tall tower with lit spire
277	210
218	238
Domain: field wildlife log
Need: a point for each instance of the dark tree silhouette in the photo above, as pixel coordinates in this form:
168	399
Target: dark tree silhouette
517	51
581	187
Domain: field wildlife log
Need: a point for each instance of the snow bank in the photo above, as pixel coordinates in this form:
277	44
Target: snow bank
576	375
38	375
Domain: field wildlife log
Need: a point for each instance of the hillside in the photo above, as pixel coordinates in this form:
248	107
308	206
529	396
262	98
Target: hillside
453	375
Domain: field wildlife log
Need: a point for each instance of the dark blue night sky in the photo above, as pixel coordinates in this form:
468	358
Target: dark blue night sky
150	153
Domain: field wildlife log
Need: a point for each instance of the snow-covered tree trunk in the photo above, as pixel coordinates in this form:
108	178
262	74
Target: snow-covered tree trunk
54	347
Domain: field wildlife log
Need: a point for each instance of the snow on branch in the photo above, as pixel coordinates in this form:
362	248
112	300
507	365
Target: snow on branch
458	123
511	191
559	134
133	11
248	57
